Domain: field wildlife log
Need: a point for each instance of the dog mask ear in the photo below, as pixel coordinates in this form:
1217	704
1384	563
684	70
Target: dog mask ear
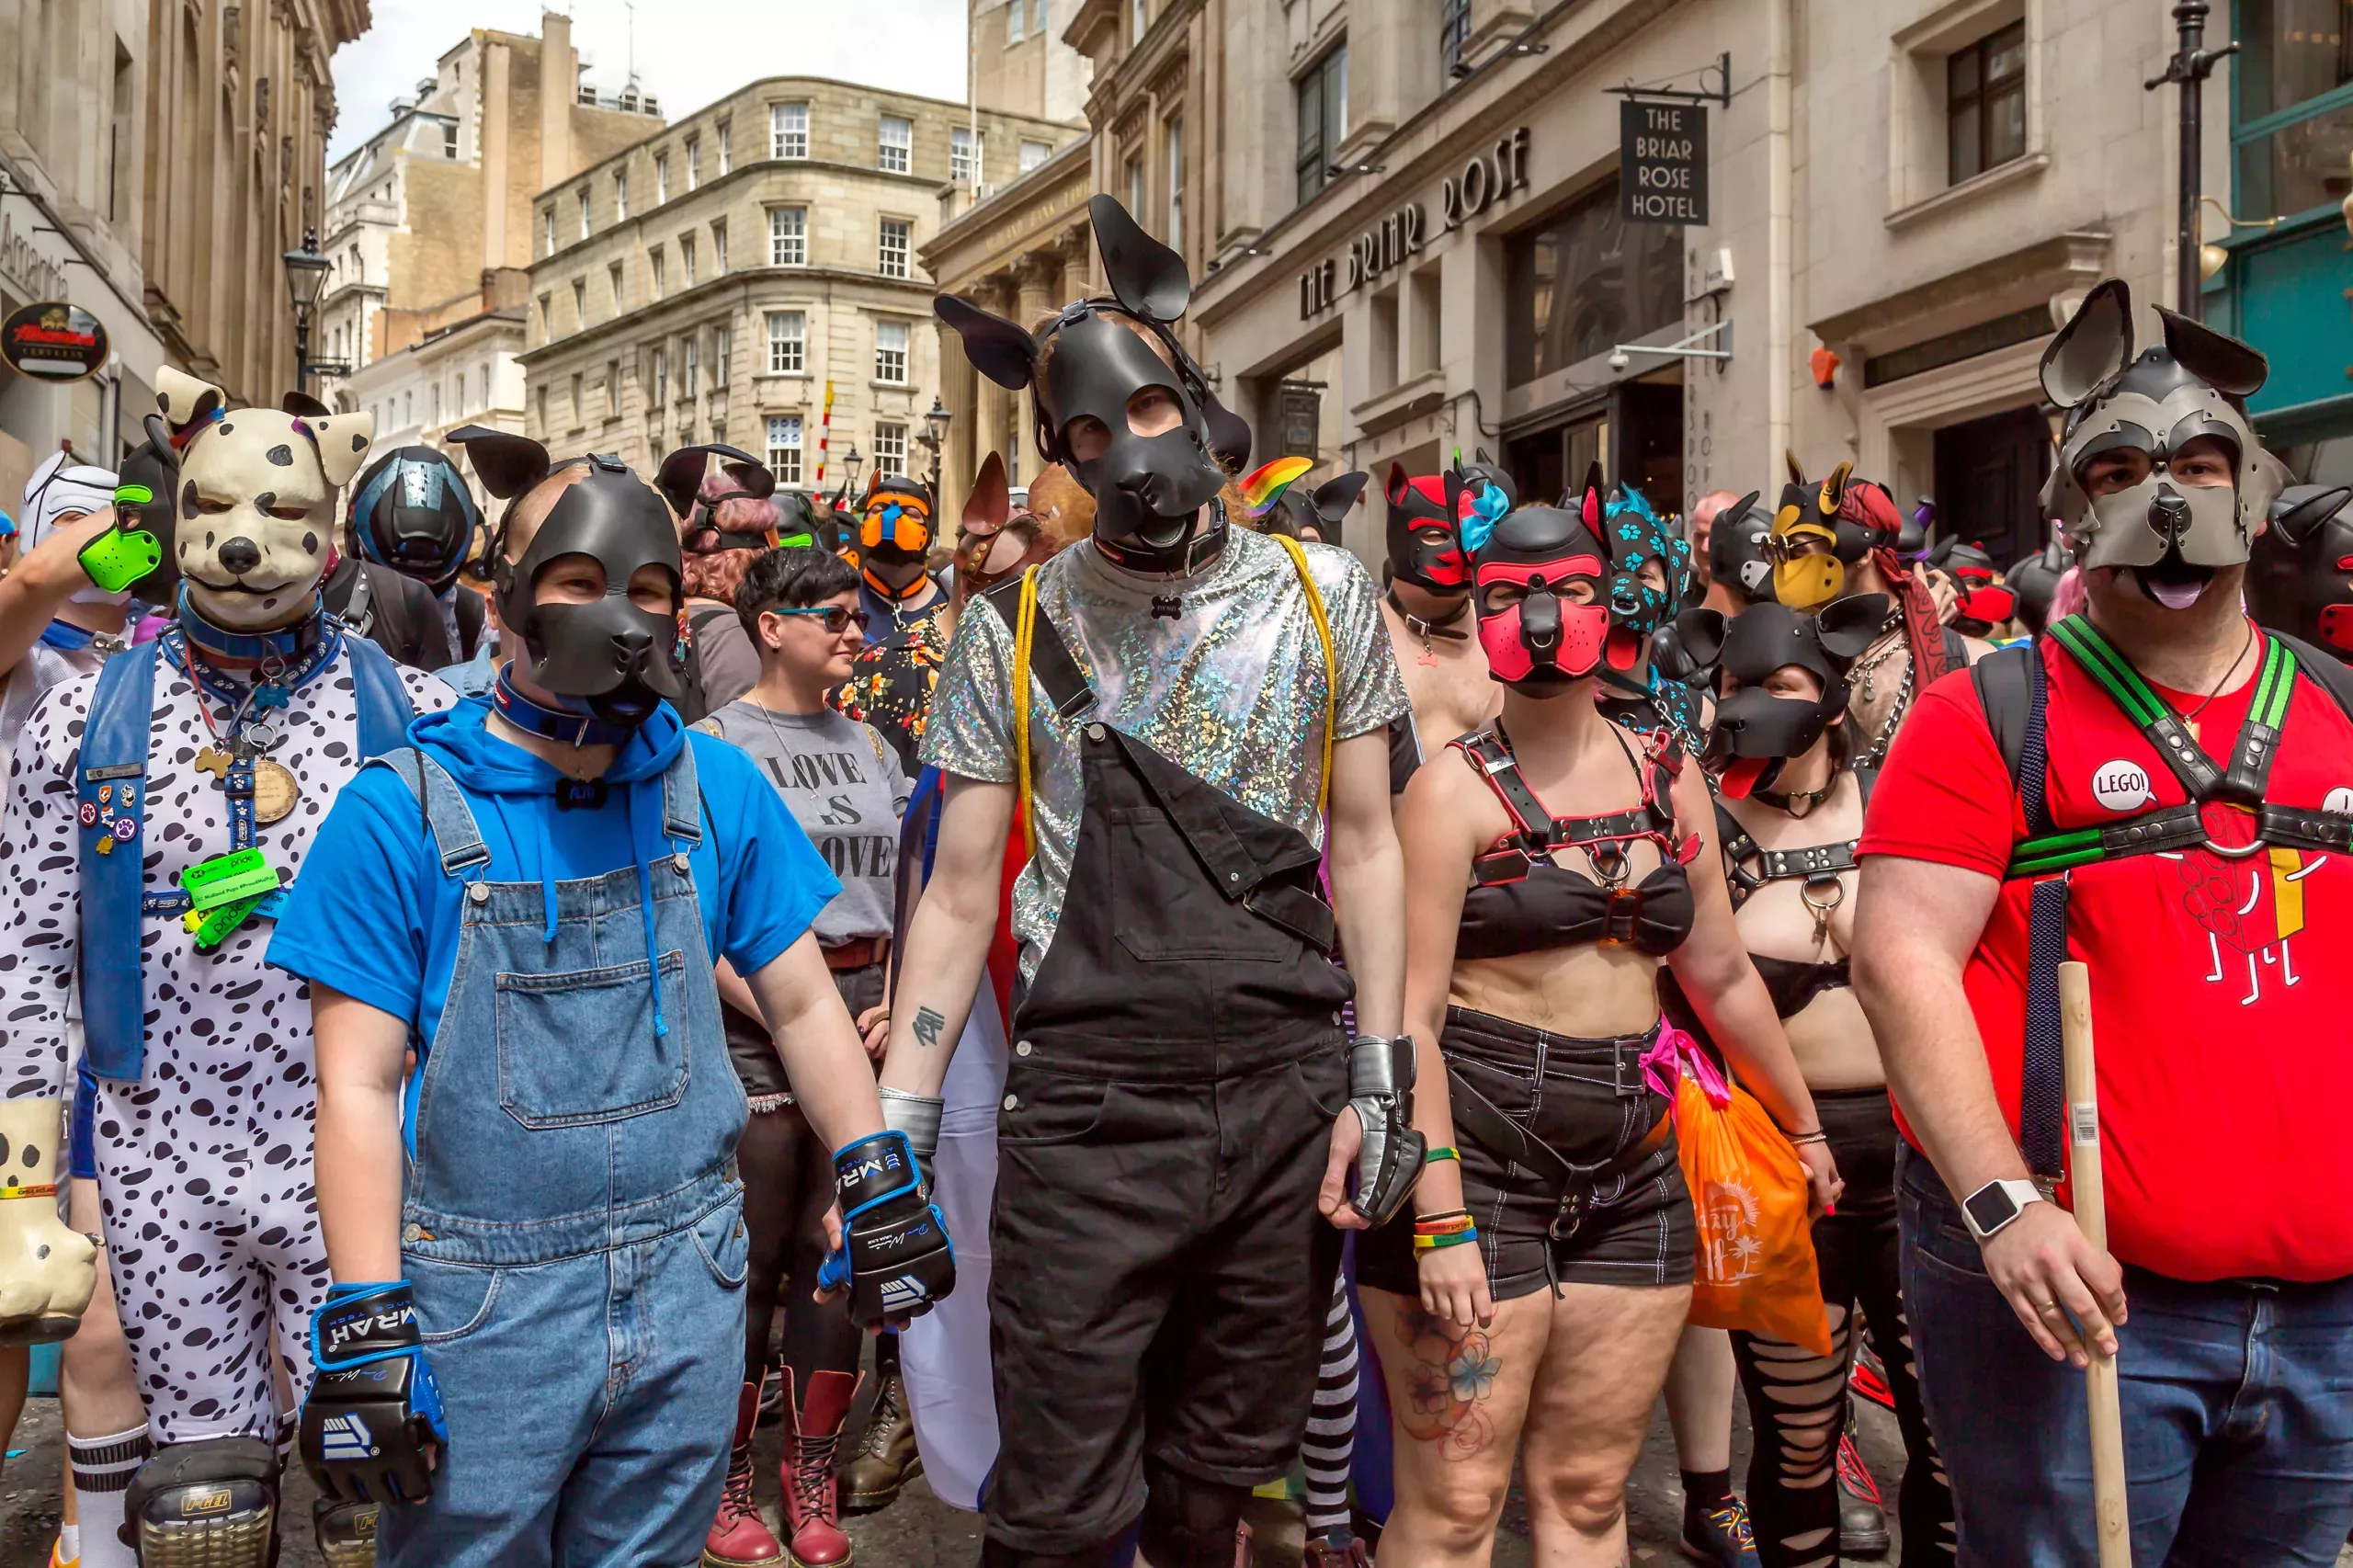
185	400
2299	524
1335	497
1848	627
302	406
998	349
680	477
343	440
1146	277
990	502
1702	632
2096	343
507	465
2217	359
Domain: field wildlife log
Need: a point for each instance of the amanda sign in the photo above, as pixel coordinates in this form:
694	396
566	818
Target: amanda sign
1662	163
56	342
1484	179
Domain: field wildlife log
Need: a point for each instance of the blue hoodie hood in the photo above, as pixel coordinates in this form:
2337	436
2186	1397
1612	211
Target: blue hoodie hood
483	763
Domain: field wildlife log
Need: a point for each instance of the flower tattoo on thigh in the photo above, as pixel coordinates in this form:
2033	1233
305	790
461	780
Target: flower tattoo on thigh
1452	1374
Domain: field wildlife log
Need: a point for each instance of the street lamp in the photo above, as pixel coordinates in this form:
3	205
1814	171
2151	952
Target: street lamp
853	462
306	280
935	437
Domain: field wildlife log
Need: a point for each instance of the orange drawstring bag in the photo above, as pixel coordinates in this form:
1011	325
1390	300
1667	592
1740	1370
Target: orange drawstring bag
1756	1266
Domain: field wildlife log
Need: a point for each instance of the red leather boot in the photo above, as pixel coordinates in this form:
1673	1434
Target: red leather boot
739	1537
812	1507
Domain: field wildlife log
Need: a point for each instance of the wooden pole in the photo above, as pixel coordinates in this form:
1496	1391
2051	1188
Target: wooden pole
2113	1519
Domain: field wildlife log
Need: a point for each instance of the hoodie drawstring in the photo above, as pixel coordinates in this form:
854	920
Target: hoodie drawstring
645	907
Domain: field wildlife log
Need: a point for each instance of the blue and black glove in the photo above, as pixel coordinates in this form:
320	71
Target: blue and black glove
371	1429
895	1256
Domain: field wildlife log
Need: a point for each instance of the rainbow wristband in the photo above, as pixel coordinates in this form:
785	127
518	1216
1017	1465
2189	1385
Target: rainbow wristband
1453	1238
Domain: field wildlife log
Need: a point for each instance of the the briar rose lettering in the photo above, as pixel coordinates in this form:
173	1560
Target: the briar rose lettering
1484	179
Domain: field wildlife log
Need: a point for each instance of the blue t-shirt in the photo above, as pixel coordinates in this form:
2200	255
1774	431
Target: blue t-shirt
374	915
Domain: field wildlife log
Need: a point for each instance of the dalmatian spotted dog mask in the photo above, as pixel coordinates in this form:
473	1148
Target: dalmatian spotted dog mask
2172	535
255	526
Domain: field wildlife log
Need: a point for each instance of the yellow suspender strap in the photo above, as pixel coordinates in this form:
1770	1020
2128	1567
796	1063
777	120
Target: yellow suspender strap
1331	673
1024	628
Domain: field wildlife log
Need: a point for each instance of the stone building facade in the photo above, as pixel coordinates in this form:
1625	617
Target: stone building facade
1404	221
158	158
726	278
428	229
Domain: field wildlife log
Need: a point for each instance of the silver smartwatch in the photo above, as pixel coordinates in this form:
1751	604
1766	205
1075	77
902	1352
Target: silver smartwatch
1993	1207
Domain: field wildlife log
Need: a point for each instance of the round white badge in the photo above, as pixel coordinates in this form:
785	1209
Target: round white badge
2121	786
2340	801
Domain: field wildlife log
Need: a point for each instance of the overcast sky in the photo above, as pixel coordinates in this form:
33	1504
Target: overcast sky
689	52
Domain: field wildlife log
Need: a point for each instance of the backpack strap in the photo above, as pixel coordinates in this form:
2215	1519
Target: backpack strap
2326	670
2005	691
1039	651
112	763
1298	553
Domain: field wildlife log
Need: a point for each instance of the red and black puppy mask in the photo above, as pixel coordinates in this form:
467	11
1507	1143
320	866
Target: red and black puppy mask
1541	632
1424	549
1985	601
2300	573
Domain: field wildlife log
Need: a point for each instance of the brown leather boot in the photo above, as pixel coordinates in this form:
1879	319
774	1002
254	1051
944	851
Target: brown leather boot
885	1459
811	1510
739	1537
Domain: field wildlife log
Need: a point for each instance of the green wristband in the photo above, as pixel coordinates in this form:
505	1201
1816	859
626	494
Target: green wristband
1443	1151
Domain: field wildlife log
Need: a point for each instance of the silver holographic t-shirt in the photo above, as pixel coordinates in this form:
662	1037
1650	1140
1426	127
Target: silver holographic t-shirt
1232	688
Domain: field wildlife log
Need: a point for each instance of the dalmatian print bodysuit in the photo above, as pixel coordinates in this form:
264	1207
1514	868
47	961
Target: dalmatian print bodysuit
204	1165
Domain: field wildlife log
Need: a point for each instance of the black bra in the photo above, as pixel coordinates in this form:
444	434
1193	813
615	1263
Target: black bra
1794	983
1524	903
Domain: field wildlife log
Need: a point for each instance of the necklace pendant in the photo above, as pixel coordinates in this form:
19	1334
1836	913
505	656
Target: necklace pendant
213	760
275	792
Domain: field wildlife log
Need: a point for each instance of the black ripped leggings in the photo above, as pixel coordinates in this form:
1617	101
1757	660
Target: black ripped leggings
787	1183
1797	1401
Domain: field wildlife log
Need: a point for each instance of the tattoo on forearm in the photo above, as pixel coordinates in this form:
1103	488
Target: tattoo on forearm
928	1023
1452	1376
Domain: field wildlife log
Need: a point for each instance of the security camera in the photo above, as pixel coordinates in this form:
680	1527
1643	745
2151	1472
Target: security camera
1617	360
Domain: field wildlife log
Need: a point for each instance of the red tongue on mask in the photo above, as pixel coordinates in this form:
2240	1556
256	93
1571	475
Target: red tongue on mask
1624	647
1742	776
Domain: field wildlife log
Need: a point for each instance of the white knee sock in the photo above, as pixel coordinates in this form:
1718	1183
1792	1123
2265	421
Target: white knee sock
102	1471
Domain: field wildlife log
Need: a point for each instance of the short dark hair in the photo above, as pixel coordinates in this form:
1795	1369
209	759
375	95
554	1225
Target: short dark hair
792	577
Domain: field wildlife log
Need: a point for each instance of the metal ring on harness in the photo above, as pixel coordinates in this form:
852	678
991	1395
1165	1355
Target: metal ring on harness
2241	852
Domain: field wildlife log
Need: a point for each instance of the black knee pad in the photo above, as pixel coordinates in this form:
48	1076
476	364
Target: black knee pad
346	1532
204	1505
1188	1522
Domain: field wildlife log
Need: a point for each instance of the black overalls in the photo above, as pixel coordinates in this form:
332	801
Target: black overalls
1160	1263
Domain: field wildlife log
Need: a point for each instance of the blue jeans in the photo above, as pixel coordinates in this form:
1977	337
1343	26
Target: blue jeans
590	1402
2238	1397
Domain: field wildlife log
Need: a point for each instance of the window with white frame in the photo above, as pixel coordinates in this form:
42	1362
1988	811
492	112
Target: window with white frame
892	248
620	195
891	352
784	448
612	388
689	372
578	380
661	179
722	341
658	271
1136	208
547	232
693	162
1013	22
897	142
433	402
583	194
658	385
718	247
726	145
1176	162
485	402
787	131
613	277
687	260
890	448
1138	20
961	163
1034	153
579	304
788	236
788	340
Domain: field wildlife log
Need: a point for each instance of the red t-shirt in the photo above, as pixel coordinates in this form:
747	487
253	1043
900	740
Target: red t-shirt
2221	989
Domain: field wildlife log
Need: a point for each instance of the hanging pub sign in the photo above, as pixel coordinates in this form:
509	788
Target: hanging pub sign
1662	161
54	341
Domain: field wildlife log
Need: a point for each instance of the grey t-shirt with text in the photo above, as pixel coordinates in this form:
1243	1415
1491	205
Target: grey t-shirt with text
846	791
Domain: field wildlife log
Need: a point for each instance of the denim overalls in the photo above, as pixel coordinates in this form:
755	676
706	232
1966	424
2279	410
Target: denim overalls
571	1221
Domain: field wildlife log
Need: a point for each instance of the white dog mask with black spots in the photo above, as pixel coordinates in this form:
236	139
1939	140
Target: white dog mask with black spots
257	505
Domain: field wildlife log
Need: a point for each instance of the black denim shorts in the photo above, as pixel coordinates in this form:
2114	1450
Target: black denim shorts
753	1053
1586	1100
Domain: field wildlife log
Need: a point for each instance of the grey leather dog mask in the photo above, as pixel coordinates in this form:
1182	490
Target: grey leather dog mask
2157	404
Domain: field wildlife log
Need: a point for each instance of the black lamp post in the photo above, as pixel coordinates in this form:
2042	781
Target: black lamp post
935	438
853	461
306	280
2188	68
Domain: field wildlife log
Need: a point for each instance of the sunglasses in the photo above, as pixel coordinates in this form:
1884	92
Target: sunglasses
837	619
